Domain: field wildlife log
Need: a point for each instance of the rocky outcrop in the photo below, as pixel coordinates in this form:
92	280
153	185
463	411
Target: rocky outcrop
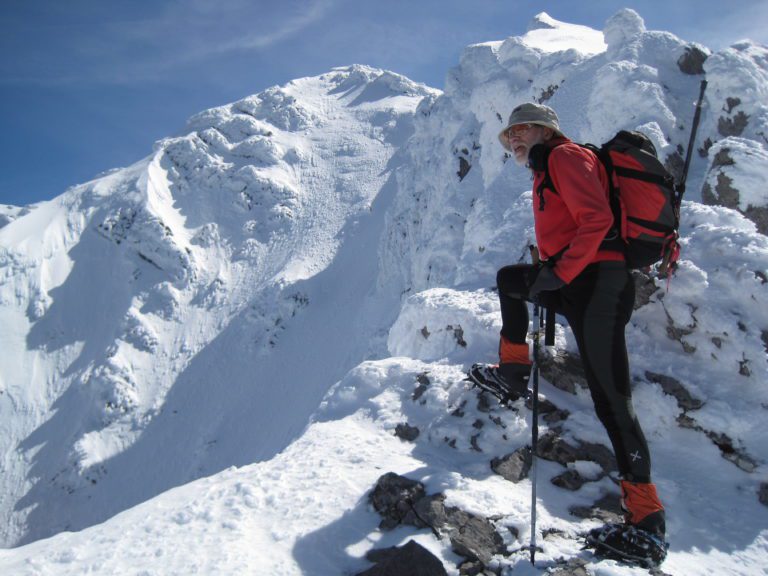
401	501
412	559
692	60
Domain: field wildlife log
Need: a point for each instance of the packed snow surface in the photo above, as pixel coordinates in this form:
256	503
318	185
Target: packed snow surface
208	356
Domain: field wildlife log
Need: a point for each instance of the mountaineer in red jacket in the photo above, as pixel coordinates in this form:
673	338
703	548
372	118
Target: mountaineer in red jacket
583	276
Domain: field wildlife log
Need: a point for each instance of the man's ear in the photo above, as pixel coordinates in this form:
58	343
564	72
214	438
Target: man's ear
548	133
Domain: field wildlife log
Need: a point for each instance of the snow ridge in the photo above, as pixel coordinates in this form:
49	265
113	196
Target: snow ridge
177	278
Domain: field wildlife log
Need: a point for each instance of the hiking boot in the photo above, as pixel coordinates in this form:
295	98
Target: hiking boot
628	545
642	507
507	382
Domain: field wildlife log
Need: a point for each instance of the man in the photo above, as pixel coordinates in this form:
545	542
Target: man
582	275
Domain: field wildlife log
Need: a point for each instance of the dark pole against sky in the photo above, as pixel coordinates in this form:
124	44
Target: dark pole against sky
86	85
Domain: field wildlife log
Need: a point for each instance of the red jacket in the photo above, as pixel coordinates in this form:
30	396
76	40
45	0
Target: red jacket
578	216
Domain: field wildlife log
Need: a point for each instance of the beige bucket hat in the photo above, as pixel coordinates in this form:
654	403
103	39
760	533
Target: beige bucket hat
530	113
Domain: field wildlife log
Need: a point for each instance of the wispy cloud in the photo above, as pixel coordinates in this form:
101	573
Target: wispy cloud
138	48
292	25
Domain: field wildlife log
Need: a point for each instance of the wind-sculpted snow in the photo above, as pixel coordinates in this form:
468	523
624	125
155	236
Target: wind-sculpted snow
144	299
296	285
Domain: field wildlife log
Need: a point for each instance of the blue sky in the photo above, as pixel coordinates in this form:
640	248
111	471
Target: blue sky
89	85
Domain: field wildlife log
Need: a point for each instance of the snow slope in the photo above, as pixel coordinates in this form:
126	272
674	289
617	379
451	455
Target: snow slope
184	315
188	316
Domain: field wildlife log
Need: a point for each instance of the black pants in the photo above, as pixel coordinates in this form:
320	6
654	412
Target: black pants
597	304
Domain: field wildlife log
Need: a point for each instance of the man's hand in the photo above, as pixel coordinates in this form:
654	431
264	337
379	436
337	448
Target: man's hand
544	280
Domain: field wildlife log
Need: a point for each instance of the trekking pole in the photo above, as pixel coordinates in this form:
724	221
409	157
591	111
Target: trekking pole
670	255
537	325
694	129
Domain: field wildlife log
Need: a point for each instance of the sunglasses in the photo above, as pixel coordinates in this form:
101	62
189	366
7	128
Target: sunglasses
517	130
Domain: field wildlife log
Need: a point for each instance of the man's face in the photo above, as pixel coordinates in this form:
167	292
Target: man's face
520	138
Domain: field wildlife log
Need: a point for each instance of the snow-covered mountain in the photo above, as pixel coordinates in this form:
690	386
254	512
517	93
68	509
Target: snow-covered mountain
188	313
210	357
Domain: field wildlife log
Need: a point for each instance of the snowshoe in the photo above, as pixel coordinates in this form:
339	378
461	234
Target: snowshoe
627	544
508	382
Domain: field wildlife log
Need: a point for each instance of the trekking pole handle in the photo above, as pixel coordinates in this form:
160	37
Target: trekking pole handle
691	142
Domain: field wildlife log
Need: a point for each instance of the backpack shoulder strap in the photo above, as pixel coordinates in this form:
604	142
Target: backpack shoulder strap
538	161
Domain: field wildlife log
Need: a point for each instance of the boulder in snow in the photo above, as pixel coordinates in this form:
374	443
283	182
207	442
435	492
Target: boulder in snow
409	560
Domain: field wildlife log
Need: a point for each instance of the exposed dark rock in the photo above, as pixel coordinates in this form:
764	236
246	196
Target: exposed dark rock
552	447
764	337
464	168
675	164
475	538
459	411
763	494
423	381
724	193
731	103
484	403
685	421
458	334
600	454
407	432
744	367
572	567
692	61
645	287
758	215
471	568
514	467
607	509
732	126
723	158
556	416
569	480
545	406
394	497
727	195
548	93
727	449
403	501
675	388
409	560
514	531
731	452
471	536
704	150
564	371
675	332
551	533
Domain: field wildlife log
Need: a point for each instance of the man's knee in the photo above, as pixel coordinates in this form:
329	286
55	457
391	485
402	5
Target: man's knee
511	280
